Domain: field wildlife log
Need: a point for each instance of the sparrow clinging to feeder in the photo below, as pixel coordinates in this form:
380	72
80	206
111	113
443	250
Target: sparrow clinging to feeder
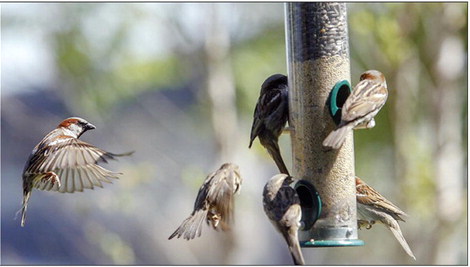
270	117
360	108
372	207
282	206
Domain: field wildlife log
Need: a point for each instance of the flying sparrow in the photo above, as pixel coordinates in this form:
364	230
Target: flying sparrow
214	202
270	116
360	108
373	207
61	162
282	206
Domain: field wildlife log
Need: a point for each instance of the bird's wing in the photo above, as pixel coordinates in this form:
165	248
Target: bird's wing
74	161
221	191
369	196
366	97
290	225
292	216
257	126
268	103
281	202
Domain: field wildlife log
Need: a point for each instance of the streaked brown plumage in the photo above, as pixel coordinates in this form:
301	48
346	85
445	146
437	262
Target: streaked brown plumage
282	206
214	202
360	108
61	162
372	207
270	117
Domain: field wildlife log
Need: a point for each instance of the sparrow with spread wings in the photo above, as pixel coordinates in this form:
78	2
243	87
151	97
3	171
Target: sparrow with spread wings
214	202
360	108
270	116
372	207
61	162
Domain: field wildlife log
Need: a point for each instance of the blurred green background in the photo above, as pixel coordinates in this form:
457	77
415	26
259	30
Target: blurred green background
177	83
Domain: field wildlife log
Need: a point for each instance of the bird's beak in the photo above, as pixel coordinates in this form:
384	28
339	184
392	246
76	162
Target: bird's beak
90	126
289	180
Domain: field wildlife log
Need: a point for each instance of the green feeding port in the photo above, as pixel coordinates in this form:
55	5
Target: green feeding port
337	98
310	203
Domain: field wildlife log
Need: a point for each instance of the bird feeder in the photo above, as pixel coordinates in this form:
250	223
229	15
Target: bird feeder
319	70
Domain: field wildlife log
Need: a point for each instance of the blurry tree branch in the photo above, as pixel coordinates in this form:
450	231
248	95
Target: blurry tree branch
432	100
424	61
220	83
447	122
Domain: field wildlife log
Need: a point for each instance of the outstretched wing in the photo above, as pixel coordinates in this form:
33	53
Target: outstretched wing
74	161
369	196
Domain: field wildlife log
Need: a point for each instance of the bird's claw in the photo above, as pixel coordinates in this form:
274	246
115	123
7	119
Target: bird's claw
215	219
366	224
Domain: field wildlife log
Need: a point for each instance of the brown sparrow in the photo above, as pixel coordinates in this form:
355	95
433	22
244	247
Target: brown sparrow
61	162
270	117
214	202
360	108
282	206
372	207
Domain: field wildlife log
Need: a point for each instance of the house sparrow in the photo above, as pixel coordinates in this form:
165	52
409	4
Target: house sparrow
360	108
214	202
373	207
270	116
282	206
61	162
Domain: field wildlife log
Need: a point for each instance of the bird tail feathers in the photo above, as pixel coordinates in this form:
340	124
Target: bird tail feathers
26	196
275	153
336	138
294	246
395	228
191	226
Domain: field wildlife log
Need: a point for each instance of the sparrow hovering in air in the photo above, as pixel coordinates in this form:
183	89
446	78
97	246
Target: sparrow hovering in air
282	206
270	116
61	162
214	202
372	207
360	108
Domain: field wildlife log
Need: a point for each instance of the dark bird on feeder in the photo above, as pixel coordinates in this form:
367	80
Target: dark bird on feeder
372	207
270	117
214	202
282	206
61	162
360	108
